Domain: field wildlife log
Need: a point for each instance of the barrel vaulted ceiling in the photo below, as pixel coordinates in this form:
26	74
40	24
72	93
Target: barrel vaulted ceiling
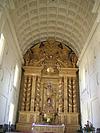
67	21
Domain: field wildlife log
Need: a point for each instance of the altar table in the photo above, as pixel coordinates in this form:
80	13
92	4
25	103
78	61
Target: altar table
48	128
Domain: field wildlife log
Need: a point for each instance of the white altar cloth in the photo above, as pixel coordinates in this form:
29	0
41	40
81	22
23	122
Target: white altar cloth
48	128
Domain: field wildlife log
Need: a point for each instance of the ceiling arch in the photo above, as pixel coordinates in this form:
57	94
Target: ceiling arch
68	21
58	39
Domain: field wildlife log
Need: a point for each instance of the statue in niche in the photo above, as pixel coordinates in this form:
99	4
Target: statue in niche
27	58
49	89
48	113
49	102
49	86
73	59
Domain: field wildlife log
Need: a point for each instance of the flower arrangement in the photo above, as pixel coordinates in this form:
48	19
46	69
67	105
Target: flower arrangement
89	127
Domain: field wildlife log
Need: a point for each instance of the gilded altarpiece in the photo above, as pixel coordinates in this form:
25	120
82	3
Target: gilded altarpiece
49	91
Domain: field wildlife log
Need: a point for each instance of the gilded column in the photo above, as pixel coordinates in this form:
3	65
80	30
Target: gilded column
44	96
70	95
61	96
65	94
33	93
38	94
74	95
28	96
23	102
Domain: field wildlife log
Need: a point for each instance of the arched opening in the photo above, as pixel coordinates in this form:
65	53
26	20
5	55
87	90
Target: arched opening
73	23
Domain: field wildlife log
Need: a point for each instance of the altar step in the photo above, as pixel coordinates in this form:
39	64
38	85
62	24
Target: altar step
29	132
27	128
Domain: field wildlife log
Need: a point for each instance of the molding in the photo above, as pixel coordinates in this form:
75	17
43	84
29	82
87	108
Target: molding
11	4
87	44
2	21
6	3
98	17
4	96
1	7
14	34
96	6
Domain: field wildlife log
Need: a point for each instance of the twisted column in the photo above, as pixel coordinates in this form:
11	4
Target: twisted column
23	102
61	96
70	94
33	93
28	96
74	96
38	94
65	94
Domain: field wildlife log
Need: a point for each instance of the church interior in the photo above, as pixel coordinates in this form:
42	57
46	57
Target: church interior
50	66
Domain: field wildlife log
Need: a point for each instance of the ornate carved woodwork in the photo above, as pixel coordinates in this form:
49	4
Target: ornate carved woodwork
72	94
50	91
51	56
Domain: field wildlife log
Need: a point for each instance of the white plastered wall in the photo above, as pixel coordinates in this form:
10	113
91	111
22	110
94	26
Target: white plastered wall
89	80
8	93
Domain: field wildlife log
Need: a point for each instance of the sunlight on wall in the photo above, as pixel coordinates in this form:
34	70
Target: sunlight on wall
84	112
1	47
16	76
11	113
83	78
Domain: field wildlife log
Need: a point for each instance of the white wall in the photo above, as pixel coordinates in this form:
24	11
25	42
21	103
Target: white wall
8	94
89	78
